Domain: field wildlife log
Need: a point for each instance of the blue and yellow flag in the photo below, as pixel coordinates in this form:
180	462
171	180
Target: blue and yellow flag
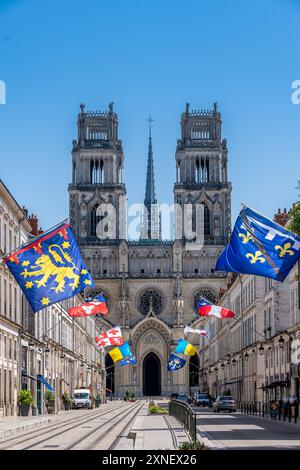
120	352
184	347
50	269
259	246
175	362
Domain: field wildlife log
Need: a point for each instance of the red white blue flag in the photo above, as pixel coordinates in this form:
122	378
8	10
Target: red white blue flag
207	309
90	307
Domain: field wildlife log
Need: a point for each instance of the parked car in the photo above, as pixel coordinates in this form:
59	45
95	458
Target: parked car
173	396
224	403
201	399
182	397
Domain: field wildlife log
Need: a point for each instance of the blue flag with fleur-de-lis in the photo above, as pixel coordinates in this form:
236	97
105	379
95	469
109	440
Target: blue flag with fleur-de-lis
49	269
259	246
175	362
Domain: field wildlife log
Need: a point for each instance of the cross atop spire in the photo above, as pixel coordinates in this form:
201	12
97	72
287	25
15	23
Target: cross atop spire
150	120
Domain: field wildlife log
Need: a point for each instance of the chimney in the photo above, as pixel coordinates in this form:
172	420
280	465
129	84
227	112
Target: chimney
281	217
33	220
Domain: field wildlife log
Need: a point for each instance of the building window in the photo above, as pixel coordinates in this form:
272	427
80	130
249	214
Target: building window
94	220
96	171
150	298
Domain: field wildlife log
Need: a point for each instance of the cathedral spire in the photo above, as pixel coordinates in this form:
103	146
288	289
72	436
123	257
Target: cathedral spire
151	217
150	197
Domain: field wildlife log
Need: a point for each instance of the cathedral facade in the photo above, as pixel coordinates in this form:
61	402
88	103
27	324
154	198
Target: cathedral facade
151	285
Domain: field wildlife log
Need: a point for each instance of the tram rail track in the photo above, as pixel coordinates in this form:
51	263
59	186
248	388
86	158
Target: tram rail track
64	425
97	440
123	430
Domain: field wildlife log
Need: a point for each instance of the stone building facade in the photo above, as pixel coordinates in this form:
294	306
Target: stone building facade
14	230
48	343
151	285
256	355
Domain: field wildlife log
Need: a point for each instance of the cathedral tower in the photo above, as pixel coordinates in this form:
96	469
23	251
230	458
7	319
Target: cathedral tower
201	175
97	193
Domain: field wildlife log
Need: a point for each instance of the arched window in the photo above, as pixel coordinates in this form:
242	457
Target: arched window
206	221
150	299
74	173
96	171
197	172
94	220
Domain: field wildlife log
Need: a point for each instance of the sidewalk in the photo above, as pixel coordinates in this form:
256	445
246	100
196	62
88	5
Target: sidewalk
153	432
12	425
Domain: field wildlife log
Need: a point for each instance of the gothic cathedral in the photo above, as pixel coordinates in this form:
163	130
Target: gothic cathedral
151	285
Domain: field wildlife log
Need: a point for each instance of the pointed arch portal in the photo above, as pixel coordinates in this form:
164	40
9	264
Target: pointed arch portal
151	375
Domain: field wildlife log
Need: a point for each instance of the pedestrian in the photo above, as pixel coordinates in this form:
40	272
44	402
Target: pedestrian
273	409
286	407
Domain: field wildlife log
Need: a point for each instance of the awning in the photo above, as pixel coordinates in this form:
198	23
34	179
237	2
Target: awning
42	379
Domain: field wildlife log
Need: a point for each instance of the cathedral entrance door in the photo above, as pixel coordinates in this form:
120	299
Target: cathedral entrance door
151	375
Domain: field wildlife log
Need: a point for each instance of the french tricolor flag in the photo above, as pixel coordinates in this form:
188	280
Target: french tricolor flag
207	309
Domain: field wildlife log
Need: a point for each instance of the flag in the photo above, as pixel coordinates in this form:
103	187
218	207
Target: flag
188	330
111	337
259	246
49	269
184	347
128	360
90	307
120	352
175	362
207	309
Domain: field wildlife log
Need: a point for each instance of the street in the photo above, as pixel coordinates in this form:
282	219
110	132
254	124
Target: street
240	431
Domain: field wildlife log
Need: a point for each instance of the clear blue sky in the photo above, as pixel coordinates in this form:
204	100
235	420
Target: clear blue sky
149	57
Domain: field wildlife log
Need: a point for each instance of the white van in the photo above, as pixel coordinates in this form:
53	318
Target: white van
82	398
